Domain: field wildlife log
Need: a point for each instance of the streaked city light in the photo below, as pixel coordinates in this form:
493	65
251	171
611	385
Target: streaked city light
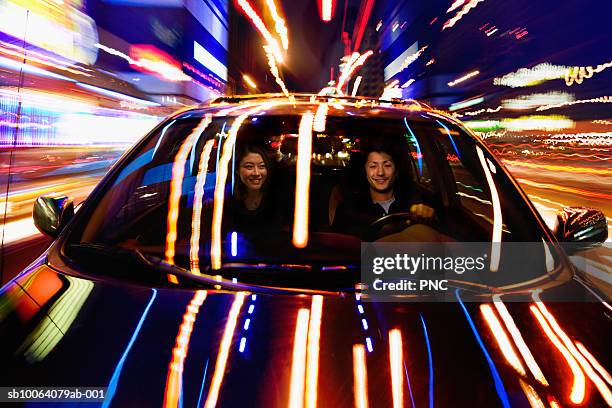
532	76
464	78
194	249
247	79
174	380
575	75
533	101
312	360
502	339
396	364
271	42
464	10
360	377
302	185
279	24
327	9
224	349
298	361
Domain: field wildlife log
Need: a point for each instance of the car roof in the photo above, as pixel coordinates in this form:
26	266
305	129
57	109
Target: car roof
295	104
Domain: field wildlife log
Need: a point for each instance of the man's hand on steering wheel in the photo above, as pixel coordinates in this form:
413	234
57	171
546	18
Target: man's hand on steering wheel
422	212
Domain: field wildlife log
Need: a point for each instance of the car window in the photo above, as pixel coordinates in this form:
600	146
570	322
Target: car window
206	191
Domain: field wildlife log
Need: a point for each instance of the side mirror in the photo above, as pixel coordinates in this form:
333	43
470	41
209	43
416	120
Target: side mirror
51	214
581	227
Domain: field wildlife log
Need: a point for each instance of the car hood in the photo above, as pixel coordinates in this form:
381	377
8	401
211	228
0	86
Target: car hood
176	346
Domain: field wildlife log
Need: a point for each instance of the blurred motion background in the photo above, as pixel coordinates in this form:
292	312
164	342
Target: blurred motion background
81	81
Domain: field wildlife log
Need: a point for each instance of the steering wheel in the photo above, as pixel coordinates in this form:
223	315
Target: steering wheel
391	224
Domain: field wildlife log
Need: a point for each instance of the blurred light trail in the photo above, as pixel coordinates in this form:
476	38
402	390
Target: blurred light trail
465	104
30	55
174	380
578	385
518	340
117	95
600	369
302	185
466	9
395	363
327	8
593	376
566	169
579	74
356	85
363	15
274	70
564	189
298	362
408	83
456	4
272	44
348	71
320	118
360	376
537	100
18	66
411	58
379	25
531	76
532	395
176	185
601	99
279	24
164	69
464	78
194	249
247	79
312	360
497	214
224	348
15	231
553	122
502	339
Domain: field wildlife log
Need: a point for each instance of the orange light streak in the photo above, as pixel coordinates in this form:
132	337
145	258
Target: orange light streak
564	189
502	339
532	395
578	386
261	27
350	69
302	184
360	376
579	74
396	362
274	70
600	369
194	257
174	381
176	186
224	347
298	366
279	24
518	340
463	78
219	195
599	383
320	118
312	362
356	85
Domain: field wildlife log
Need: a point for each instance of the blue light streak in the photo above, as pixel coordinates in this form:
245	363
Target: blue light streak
430	363
112	385
499	385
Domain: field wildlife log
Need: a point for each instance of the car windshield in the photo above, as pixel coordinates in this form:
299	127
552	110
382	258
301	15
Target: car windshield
227	192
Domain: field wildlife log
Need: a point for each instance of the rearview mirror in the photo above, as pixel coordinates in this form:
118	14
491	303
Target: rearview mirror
51	214
581	227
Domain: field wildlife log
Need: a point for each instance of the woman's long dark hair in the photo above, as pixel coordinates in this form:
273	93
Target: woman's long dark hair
243	150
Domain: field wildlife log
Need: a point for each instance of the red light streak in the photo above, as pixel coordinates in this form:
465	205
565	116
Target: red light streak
362	20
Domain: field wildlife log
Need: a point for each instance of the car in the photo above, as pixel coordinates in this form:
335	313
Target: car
209	268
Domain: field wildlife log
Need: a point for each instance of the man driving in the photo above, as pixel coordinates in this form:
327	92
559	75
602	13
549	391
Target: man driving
383	173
